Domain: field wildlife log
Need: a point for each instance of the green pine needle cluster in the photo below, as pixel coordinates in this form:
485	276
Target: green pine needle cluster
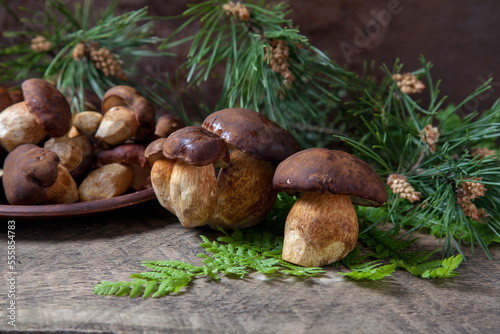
393	144
240	49
127	36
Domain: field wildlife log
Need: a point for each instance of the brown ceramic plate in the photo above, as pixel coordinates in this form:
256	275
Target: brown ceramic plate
75	209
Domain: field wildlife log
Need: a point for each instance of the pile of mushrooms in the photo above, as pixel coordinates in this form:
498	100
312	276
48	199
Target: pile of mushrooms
224	173
195	179
229	162
53	157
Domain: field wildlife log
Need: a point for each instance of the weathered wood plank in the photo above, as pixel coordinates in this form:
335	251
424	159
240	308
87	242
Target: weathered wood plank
62	260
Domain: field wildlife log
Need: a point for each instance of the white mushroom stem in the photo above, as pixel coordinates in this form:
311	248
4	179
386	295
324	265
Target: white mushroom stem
320	229
189	192
246	192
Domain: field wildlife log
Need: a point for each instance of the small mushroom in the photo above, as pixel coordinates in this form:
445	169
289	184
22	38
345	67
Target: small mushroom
322	226
131	155
106	182
87	122
33	175
128	97
117	125
75	153
168	124
246	193
43	112
184	178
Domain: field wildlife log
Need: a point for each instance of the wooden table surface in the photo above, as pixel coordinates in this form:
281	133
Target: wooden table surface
62	260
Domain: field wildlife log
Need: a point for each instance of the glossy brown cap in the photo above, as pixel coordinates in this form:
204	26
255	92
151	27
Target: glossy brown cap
196	146
124	154
336	172
48	105
154	150
252	133
28	171
129	97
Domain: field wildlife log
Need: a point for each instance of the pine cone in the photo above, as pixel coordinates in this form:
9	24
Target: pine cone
278	61
107	62
467	192
408	83
78	52
430	134
238	10
40	44
482	152
401	187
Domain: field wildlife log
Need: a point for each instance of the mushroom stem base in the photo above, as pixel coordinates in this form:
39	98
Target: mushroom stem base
320	229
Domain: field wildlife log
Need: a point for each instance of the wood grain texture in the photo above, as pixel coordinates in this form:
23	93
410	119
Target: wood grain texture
62	261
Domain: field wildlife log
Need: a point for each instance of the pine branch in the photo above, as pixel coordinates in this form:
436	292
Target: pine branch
75	56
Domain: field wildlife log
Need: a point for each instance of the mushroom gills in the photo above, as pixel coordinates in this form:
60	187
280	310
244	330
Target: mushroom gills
321	228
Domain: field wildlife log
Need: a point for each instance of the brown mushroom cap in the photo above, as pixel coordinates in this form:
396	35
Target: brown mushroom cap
252	133
336	172
28	171
168	124
125	154
48	105
154	150
129	97
196	146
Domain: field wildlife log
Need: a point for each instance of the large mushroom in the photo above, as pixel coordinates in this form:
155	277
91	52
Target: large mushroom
33	175
257	145
183	175
322	226
127	114
44	111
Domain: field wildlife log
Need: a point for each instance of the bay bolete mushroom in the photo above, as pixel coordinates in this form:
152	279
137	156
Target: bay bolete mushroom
44	111
75	153
322	226
168	124
132	155
257	145
126	97
106	182
183	177
33	175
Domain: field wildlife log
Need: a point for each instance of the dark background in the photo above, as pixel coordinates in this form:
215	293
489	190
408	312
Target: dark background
461	38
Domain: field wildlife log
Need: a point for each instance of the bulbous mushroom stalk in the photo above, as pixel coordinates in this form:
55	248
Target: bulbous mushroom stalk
320	229
322	226
44	111
246	193
183	177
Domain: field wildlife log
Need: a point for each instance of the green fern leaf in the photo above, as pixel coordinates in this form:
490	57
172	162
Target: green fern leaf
370	271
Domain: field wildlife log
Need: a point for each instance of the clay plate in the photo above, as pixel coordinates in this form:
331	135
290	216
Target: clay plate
75	209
